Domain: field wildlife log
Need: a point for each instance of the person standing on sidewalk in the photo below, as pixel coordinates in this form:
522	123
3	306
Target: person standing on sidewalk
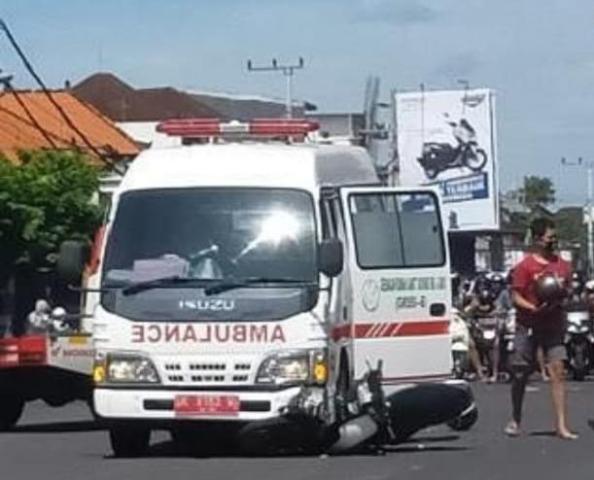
540	324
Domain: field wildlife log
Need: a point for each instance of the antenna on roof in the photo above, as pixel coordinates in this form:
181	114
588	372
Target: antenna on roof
288	71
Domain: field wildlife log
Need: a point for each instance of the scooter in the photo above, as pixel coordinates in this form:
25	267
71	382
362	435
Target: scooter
437	157
579	340
460	336
484	331
374	419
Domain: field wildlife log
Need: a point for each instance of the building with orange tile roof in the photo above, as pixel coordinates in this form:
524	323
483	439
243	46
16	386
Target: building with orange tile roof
18	132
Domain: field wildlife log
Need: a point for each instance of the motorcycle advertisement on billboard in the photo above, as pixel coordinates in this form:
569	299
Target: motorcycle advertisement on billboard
447	139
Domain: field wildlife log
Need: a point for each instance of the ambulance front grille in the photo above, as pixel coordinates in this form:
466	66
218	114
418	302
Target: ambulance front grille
207	372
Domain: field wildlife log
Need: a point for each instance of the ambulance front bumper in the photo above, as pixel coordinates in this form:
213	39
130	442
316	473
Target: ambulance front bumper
159	405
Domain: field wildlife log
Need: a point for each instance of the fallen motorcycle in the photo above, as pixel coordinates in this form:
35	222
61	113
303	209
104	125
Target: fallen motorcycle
374	420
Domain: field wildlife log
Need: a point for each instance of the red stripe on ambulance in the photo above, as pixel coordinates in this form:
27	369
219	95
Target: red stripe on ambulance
387	330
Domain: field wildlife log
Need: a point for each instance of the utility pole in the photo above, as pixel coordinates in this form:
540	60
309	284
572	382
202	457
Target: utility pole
466	85
589	164
288	70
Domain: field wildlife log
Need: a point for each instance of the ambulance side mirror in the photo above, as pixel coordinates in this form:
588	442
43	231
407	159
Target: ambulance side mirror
331	259
72	259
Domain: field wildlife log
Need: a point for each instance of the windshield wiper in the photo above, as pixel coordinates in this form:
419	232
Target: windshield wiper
172	280
232	284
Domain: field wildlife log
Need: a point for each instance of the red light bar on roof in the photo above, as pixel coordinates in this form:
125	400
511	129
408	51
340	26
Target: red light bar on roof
261	127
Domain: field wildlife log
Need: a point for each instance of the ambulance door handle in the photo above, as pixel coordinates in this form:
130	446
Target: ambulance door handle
437	309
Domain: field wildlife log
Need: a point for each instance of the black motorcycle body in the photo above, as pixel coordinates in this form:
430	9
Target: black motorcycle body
378	421
437	157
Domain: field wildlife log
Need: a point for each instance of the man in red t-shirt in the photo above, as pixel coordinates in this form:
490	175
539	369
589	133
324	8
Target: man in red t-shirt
539	324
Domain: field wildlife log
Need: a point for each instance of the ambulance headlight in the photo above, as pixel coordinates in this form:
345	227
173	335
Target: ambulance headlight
294	367
129	368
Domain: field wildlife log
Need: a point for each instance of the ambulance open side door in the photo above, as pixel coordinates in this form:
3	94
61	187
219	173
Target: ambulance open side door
399	269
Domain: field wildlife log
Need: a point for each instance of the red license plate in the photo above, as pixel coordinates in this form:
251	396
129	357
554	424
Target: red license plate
206	405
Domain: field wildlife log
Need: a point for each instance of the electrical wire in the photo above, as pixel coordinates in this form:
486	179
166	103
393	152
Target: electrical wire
40	82
22	119
31	117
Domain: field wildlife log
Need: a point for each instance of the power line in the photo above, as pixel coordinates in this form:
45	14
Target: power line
52	100
22	119
6	80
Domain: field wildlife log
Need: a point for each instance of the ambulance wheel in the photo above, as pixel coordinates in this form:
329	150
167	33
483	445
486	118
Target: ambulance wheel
11	409
129	441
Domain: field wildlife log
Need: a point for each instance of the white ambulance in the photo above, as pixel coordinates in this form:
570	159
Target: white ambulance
242	269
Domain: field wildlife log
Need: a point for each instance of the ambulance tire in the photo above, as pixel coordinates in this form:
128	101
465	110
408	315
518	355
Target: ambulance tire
129	441
11	409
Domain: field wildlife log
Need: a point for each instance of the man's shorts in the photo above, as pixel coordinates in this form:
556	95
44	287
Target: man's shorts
526	343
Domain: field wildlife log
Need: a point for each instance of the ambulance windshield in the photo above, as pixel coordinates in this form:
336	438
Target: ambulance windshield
167	242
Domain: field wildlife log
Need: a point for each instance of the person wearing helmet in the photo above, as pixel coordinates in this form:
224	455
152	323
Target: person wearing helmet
479	304
540	282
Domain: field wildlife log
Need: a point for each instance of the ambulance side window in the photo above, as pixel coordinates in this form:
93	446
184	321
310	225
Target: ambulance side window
395	230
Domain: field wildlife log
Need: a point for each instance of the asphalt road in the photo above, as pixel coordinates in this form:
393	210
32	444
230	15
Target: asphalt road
63	443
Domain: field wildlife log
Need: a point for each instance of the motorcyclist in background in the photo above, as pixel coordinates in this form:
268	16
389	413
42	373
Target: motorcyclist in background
491	297
477	303
481	305
503	305
462	298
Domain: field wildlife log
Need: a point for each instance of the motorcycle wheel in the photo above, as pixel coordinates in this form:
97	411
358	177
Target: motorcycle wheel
460	365
579	364
475	159
431	173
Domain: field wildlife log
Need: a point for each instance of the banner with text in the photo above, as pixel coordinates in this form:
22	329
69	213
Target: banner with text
448	139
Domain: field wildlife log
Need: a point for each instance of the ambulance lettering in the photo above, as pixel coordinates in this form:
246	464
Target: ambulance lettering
214	305
223	334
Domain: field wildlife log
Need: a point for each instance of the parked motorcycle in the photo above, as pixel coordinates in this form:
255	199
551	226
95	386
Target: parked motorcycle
484	323
460	335
437	157
579	340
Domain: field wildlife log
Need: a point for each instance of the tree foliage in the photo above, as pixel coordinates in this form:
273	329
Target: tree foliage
44	201
537	191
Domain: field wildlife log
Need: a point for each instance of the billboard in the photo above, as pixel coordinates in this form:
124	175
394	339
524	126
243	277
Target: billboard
447	139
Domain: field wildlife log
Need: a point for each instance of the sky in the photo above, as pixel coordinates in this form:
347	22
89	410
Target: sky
538	55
